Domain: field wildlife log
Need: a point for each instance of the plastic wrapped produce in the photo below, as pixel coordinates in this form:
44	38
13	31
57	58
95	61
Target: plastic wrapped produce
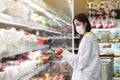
19	70
14	8
27	67
4	76
2	6
14	70
11	41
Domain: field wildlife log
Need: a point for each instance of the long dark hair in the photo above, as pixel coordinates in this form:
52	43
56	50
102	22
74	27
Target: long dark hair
83	18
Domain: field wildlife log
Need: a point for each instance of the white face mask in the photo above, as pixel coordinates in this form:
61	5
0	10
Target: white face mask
80	29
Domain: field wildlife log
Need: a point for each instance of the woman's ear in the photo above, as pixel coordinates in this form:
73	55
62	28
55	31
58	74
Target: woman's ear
85	24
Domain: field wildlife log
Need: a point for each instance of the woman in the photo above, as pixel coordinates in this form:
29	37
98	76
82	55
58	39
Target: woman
86	64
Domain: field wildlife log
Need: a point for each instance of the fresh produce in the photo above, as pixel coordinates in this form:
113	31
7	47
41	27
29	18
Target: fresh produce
58	51
62	77
45	56
41	40
15	60
48	76
42	59
56	77
39	61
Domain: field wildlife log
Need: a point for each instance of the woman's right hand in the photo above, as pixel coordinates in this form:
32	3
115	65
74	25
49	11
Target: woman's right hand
58	51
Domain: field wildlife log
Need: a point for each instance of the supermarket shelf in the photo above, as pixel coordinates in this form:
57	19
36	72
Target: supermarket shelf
26	25
76	37
23	49
106	29
109	42
62	37
116	78
69	48
37	70
109	56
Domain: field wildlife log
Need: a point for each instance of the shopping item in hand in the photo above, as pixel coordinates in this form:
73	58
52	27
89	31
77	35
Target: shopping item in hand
58	51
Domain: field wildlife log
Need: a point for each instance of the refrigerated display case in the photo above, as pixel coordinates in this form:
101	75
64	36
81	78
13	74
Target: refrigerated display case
106	25
41	19
56	40
56	70
13	56
105	21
